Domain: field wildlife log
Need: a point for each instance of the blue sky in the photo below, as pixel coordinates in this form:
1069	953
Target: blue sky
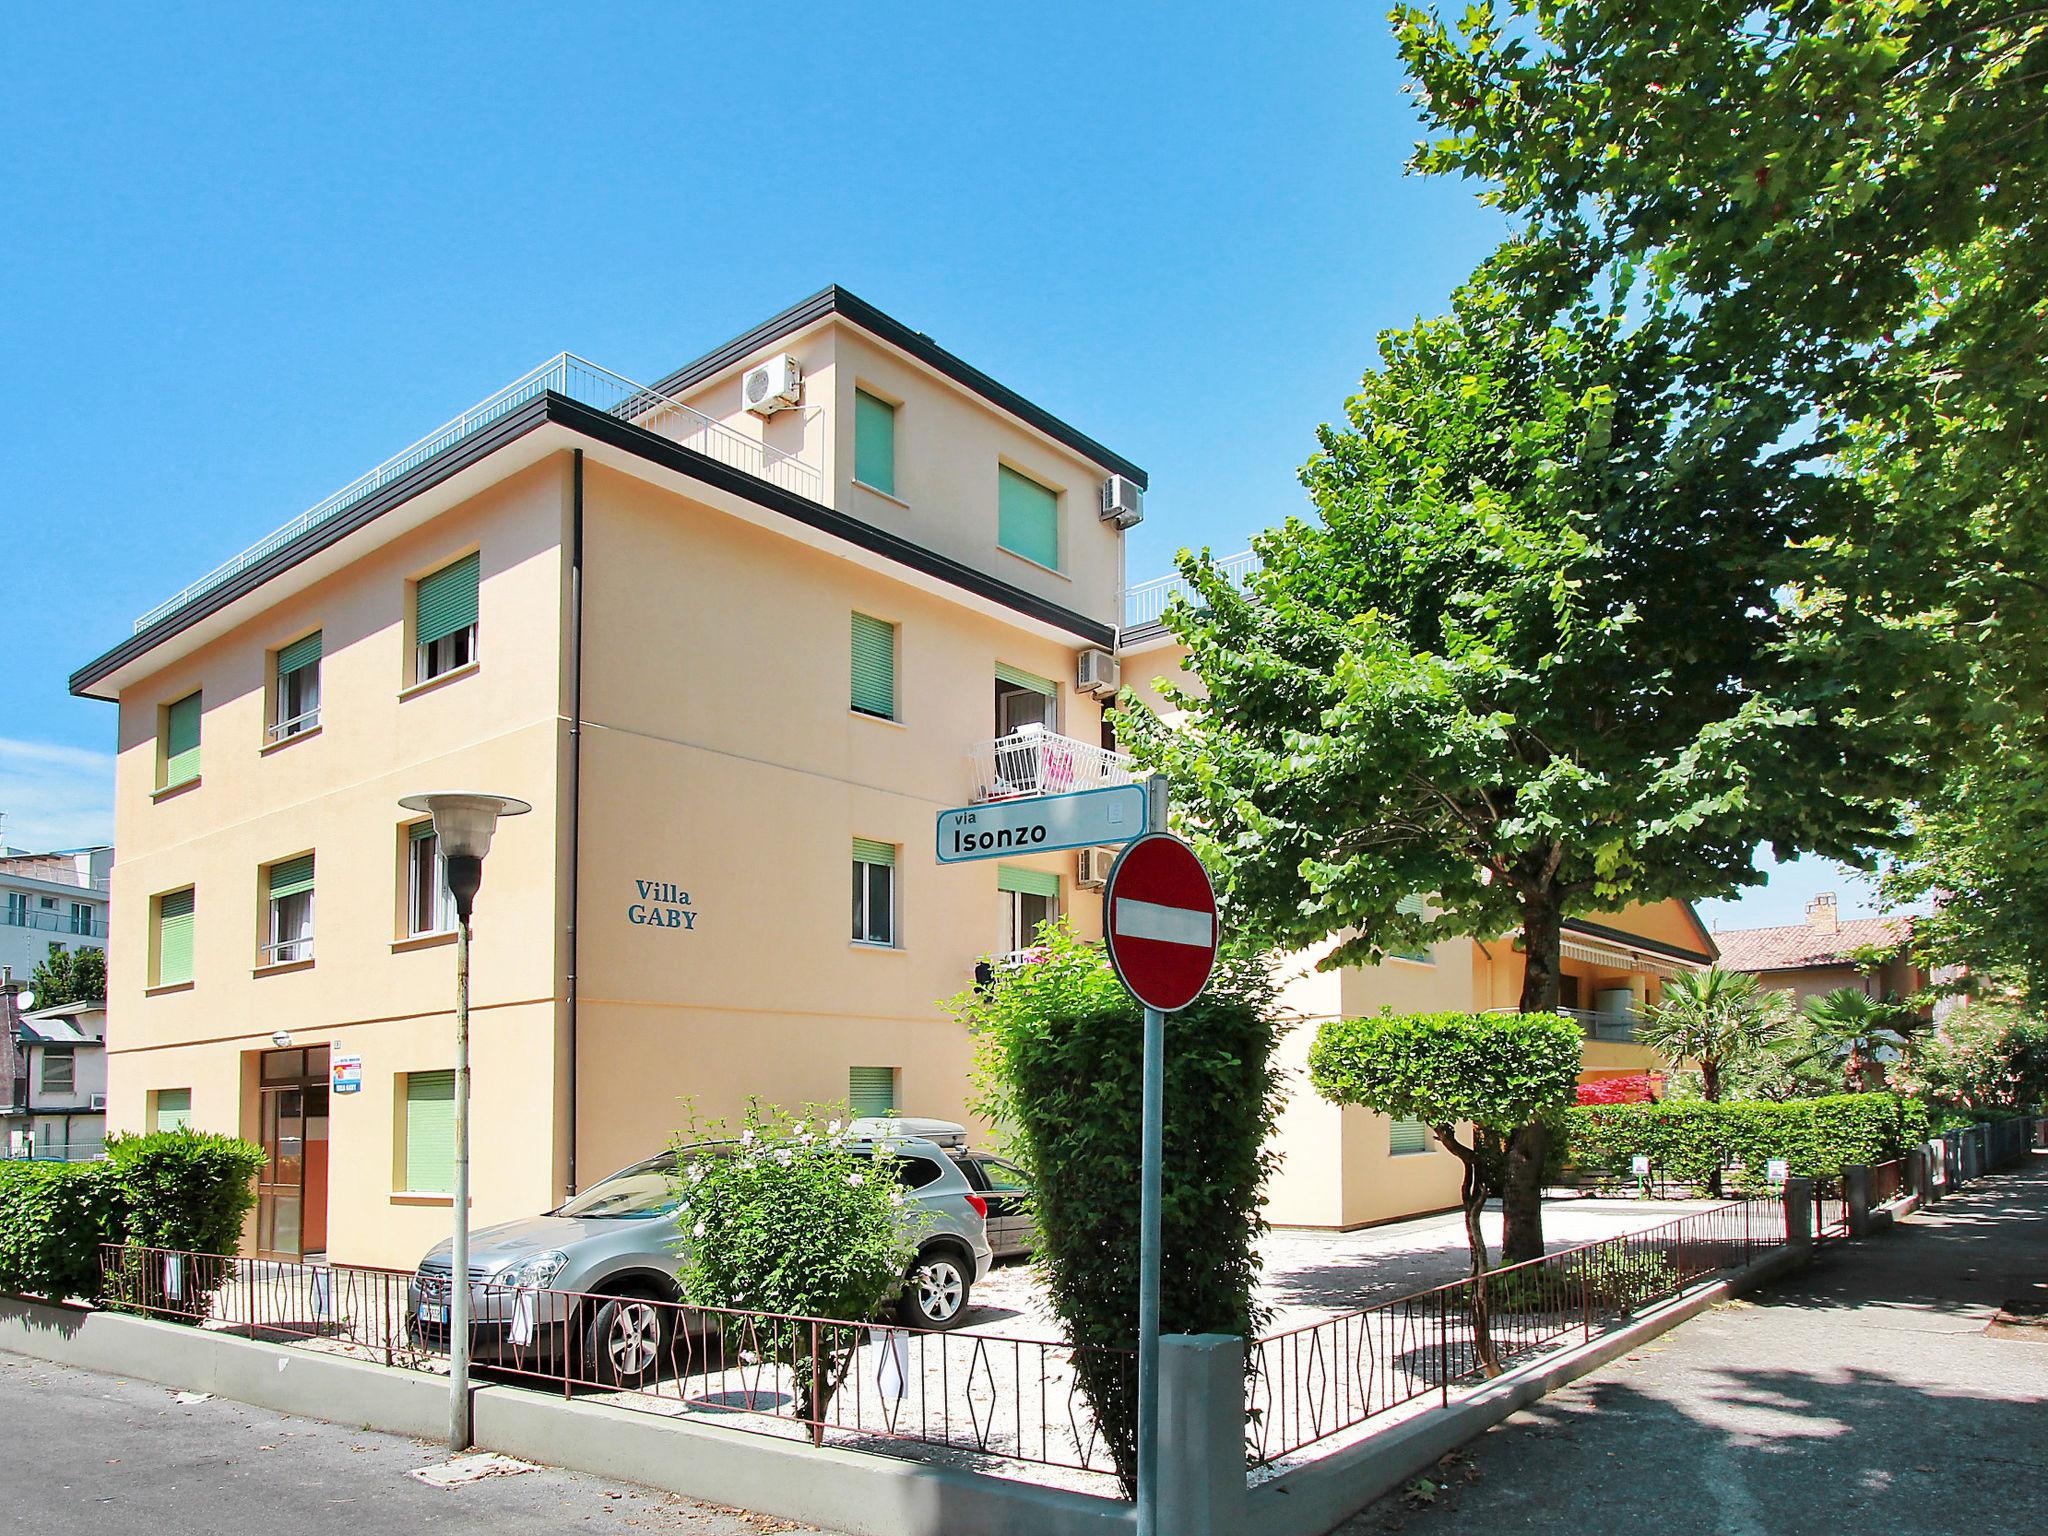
247	258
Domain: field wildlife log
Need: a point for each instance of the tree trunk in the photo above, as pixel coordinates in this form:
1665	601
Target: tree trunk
1710	1079
1472	1197
1522	1194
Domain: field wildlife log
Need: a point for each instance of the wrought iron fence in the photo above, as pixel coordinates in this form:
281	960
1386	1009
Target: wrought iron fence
1309	1383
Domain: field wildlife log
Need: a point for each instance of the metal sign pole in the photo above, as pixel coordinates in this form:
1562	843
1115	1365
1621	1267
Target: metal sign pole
1152	1153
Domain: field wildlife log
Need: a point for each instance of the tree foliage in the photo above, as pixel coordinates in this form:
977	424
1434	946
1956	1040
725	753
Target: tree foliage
70	976
1987	1058
1713	1019
1851	1030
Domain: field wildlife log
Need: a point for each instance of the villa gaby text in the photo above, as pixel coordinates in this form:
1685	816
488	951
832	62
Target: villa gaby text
661	905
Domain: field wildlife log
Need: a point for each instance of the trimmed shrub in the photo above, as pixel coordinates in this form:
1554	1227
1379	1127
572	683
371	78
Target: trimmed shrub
1691	1140
1060	1067
184	1189
53	1218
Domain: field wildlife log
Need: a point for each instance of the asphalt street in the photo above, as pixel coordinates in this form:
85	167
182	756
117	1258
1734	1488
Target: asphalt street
1864	1395
91	1454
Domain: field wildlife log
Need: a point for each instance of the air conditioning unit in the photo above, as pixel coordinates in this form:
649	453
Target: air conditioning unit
1093	871
1122	502
774	386
1098	673
99	1103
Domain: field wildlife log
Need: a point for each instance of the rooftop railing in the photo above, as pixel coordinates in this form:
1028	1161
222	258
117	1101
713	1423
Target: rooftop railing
563	374
1144	603
54	872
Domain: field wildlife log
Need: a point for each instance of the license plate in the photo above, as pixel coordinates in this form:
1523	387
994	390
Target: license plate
433	1311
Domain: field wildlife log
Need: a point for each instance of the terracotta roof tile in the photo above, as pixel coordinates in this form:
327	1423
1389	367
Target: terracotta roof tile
1800	944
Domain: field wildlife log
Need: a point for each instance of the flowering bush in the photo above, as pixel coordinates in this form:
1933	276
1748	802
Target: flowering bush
1636	1088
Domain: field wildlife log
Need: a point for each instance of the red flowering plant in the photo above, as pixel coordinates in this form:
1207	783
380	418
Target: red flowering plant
1636	1088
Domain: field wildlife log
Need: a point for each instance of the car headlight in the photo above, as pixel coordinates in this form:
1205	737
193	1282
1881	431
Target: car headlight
536	1272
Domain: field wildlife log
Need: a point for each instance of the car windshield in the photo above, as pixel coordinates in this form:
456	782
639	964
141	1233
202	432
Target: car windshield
632	1194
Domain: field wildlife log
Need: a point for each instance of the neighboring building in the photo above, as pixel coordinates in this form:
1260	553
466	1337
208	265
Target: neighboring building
737	658
51	898
56	1105
1817	956
1348	1167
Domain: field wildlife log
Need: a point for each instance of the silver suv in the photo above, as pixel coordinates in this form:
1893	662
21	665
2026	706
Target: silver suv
614	1248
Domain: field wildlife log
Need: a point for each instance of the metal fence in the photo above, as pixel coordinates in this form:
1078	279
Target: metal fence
1309	1383
1830	1209
1033	761
1146	602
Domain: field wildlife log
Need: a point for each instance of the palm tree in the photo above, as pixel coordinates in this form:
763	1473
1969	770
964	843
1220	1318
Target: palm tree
1711	1018
1852	1027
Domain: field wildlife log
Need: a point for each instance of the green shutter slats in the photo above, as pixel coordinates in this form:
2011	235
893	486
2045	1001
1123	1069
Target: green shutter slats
868	851
1027	517
874	442
300	653
1027	882
422	830
174	922
181	740
874	667
173	1109
1017	677
446	601
430	1132
1406	1136
871	1090
288	877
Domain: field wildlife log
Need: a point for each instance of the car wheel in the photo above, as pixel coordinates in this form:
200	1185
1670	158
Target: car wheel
626	1341
935	1293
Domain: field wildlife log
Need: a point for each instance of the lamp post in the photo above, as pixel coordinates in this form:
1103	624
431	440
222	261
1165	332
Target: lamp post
463	825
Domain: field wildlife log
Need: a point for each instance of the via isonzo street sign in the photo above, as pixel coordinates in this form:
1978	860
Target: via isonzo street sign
1042	823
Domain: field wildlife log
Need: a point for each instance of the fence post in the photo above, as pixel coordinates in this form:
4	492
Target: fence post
1202	1489
1799	1213
1856	1193
1917	1182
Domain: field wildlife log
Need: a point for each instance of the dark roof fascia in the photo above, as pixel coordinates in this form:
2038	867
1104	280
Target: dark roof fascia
578	417
1636	940
837	301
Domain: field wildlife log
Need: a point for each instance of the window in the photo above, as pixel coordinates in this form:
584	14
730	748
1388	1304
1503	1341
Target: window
1030	897
444	618
1024	698
171	1109
1407	1136
874	667
81	918
874	442
429	1133
1027	517
59	1072
181	742
874	892
290	929
296	703
1413	906
870	1090
429	908
174	918
17	909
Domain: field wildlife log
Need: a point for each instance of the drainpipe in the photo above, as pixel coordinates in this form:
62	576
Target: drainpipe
575	782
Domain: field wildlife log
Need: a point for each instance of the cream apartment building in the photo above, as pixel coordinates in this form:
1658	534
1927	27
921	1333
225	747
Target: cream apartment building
737	636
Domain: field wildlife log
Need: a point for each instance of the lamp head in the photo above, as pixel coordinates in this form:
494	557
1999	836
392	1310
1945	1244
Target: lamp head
464	823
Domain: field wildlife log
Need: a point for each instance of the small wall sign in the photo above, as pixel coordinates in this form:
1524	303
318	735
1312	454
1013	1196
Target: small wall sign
1777	1170
1640	1164
662	904
345	1074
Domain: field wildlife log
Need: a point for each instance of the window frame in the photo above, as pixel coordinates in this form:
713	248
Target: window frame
277	948
1426	1142
156	1109
861	393
1017	938
50	1054
404	1171
864	870
291	718
449	653
1004	474
895	641
169	776
444	902
190	917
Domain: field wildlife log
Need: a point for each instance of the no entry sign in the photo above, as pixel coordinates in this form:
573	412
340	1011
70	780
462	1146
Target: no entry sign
1159	917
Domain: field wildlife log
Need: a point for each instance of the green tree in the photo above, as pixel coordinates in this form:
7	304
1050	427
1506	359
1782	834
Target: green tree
70	976
1498	1076
1526	662
1851	1028
1712	1018
1988	1056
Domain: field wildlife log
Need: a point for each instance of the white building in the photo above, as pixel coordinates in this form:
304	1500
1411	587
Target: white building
51	898
56	1104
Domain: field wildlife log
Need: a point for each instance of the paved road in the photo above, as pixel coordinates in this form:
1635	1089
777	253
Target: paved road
1863	1396
89	1455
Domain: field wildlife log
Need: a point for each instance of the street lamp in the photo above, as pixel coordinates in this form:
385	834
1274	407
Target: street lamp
463	825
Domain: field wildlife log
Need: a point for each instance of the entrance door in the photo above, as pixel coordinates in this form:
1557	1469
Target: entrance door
291	1191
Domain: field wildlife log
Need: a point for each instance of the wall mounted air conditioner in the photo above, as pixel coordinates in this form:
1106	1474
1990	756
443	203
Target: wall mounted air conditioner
1122	502
774	386
99	1103
1092	872
1098	673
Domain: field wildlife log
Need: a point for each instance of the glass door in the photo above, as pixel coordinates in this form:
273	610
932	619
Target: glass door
291	1191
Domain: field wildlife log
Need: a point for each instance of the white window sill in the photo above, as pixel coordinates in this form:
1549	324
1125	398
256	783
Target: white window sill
861	714
876	490
179	788
288	741
282	967
421	1197
166	987
415	941
873	948
439	680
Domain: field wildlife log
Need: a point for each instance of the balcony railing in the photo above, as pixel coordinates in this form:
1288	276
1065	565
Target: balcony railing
1035	761
564	374
54	922
1594	1024
53	872
1144	603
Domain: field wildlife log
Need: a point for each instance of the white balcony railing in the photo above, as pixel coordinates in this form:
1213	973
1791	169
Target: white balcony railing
564	374
1035	761
1144	603
1594	1024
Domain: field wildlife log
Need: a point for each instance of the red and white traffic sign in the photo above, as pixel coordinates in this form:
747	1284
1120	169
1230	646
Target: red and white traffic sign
1159	918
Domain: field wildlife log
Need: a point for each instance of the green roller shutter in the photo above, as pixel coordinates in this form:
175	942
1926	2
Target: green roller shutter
871	1090
174	937
1029	882
1027	518
288	877
868	851
874	667
446	601
300	653
1412	906
1407	1136
181	741
430	1133
874	442
1017	677
173	1109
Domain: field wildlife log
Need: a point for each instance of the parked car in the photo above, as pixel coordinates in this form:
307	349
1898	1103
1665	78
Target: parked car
1012	1230
580	1277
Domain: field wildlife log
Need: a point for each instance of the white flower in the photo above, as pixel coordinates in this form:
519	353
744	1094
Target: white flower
698	1230
854	1181
800	1127
696	1173
747	1137
783	1155
895	1197
832	1129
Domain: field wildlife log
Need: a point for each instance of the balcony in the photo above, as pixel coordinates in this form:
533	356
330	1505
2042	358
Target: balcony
53	922
564	374
1144	603
1595	1025
1035	761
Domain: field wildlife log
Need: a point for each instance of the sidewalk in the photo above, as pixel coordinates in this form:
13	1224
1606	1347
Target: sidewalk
1863	1395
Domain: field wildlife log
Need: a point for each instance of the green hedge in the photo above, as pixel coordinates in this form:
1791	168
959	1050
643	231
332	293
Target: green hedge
180	1189
1689	1140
